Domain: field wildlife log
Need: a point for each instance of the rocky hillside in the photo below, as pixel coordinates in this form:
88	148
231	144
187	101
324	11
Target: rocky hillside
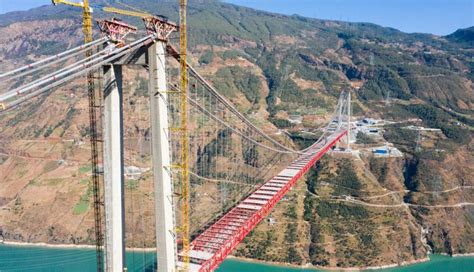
272	66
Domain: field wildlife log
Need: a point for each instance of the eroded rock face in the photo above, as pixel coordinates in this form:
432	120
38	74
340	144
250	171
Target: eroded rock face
28	41
360	213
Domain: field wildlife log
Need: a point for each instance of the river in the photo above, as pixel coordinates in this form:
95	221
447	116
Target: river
41	259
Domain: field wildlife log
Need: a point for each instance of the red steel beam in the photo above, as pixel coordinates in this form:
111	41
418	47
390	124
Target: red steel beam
237	236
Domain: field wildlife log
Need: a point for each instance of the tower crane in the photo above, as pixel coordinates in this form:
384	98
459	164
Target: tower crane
85	5
185	187
185	194
94	113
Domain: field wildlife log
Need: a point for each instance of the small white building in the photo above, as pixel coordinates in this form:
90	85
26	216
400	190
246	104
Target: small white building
133	172
295	119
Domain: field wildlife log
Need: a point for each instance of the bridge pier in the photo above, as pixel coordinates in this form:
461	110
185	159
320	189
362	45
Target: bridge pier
161	153
113	169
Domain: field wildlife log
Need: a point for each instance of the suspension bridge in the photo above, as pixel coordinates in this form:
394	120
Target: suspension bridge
250	167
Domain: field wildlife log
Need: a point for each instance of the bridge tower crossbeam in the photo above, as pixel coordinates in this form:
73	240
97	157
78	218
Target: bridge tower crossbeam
151	54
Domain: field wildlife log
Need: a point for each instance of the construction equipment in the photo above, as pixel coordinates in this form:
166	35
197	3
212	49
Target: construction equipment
185	188
160	26
148	19
91	8
94	116
116	30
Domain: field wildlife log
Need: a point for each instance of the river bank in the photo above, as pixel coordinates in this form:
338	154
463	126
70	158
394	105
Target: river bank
436	263
329	268
75	246
232	264
68	246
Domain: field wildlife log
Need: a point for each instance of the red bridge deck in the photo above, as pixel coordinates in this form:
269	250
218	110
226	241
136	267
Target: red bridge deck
210	248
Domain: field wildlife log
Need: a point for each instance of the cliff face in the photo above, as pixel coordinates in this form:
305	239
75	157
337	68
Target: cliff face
348	212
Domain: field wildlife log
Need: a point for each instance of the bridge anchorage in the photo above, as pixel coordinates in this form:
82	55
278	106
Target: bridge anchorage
238	170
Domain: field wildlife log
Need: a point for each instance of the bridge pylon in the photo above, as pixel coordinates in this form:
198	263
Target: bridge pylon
113	154
161	151
113	169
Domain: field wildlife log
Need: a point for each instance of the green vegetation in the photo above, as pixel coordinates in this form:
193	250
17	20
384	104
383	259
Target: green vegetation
308	207
437	118
291	236
53	181
383	83
250	155
316	252
404	139
208	155
291	232
50	166
464	37
84	181
232	80
281	123
293	256
132	184
85	169
256	247
48	132
64	123
34	182
83	205
411	169
333	210
18	207
379	167
291	211
363	138
338	219
346	180
207	57
231	54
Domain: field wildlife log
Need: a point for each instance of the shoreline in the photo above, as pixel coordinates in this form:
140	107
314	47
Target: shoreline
332	268
67	246
306	266
463	254
310	266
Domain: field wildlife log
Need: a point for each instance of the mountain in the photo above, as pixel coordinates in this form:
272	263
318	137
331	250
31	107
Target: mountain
463	36
271	66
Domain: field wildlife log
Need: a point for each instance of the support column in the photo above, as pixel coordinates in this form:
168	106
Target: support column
349	120
113	170
161	152
339	117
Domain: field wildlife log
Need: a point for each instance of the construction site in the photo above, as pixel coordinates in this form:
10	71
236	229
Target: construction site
165	146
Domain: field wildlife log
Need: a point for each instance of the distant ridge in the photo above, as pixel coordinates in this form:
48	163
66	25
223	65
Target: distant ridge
463	36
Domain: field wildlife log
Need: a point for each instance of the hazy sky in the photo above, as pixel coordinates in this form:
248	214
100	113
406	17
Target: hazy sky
431	16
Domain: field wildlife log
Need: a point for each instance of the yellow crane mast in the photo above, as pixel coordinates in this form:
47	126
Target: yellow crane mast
90	8
185	187
185	194
94	115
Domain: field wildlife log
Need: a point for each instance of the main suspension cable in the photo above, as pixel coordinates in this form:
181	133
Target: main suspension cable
61	56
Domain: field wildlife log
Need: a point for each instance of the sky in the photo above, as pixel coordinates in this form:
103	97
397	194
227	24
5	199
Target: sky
439	17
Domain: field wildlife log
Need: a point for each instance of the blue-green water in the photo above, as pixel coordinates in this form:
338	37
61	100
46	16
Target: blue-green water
41	259
437	263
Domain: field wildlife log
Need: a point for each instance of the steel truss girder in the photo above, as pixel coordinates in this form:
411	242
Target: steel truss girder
221	247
